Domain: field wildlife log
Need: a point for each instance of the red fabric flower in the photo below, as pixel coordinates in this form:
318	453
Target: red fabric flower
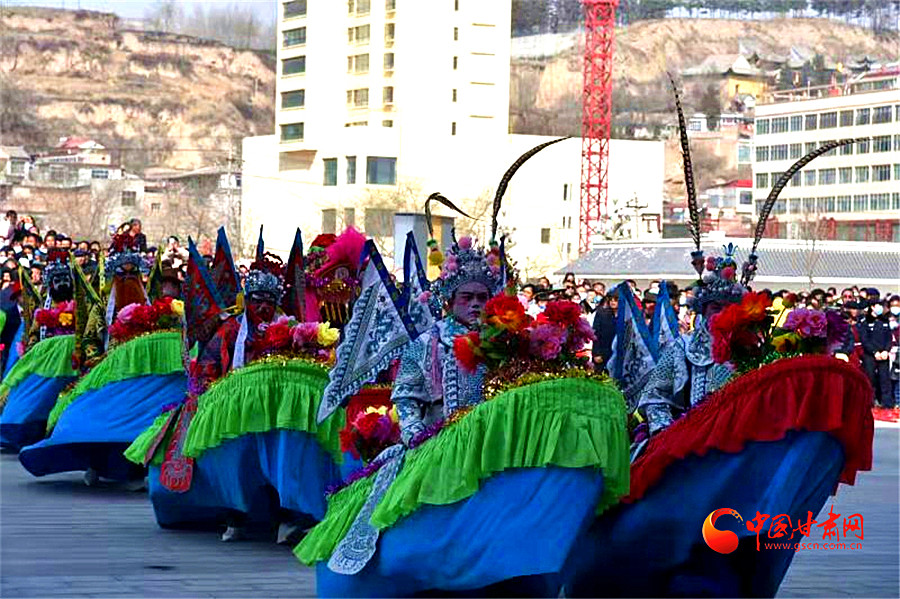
278	336
754	306
368	398
466	348
565	314
506	312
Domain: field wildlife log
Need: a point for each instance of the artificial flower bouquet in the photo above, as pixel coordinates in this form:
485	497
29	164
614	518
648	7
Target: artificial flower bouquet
752	333
137	319
509	338
372	425
289	337
59	320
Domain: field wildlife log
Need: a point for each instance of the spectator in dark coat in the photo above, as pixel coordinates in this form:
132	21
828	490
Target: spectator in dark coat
875	336
605	330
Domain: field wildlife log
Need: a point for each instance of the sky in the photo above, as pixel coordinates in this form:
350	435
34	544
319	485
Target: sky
133	9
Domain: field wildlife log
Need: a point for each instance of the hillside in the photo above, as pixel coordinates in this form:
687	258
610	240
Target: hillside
154	98
546	92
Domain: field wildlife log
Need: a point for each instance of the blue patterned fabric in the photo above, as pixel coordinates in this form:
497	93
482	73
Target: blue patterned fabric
100	424
654	547
239	475
516	531
24	418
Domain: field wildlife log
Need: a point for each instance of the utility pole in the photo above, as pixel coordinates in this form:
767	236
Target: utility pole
636	205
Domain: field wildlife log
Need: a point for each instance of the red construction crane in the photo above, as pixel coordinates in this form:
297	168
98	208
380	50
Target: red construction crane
596	116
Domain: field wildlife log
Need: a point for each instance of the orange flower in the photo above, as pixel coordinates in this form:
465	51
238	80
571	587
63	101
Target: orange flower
754	306
506	312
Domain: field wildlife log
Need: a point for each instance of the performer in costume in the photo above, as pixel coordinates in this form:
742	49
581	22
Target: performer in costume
750	421
33	384
143	369
454	507
250	453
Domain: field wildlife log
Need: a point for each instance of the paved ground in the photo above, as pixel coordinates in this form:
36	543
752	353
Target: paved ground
59	538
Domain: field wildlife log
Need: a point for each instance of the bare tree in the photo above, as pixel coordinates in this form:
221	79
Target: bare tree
811	229
90	217
165	15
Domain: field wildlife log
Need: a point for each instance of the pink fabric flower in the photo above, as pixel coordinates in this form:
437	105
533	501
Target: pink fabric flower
305	333
127	313
710	263
547	340
424	297
464	243
806	323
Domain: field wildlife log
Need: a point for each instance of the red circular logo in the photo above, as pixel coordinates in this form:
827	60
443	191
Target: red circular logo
721	541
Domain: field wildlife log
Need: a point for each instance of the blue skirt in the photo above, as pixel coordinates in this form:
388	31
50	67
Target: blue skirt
655	548
13	356
24	418
511	538
254	474
98	426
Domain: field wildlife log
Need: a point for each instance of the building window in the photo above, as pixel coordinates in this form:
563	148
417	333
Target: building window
897	172
351	170
810	146
881	143
381	171
862	116
379	222
897	142
455	4
881	172
387	95
796	151
455	62
794	206
746	198
358	35
129	198
454	99
880	201
545	235
827	176
329	221
389	61
832	151
862	174
293	66
453	128
155	207
847	150
566	191
292	132
812	121
780	152
862	146
881	114
359	7
294	9
294	99
809	204
843	204
349	217
762	180
780	124
330	177
828	120
387	123
860	203
390	32
797	123
762	126
357	124
774	177
456	34
99	173
762	153
809	178
846	118
845	175
895	200
390	5
293	37
796	180
358	63
358	98
826	204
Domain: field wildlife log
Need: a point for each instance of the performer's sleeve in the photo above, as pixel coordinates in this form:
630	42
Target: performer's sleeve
658	396
410	393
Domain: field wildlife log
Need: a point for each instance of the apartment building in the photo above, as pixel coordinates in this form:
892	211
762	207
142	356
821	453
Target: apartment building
851	193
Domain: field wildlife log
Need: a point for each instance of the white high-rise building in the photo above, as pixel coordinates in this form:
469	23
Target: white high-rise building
851	193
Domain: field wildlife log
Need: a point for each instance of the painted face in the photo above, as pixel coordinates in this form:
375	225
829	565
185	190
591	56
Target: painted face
261	308
468	302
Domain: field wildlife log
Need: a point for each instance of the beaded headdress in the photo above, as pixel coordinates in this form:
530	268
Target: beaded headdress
266	274
58	269
718	282
121	254
466	263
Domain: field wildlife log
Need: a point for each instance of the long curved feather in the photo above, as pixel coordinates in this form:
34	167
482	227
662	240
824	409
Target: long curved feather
688	167
437	197
508	175
783	181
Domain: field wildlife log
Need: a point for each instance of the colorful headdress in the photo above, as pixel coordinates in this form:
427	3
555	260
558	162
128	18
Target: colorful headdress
266	274
58	268
121	254
718	275
466	263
